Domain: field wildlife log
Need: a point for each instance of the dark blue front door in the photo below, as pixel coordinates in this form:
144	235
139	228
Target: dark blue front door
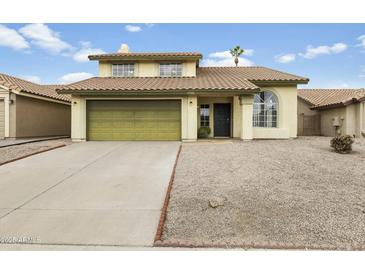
222	120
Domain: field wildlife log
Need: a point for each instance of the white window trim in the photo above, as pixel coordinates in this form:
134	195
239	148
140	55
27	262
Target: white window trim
171	63
124	64
277	112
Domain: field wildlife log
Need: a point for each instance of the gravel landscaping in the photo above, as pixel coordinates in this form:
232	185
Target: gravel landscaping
13	152
287	192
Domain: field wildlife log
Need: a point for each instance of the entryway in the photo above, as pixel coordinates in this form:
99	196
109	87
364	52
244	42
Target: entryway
222	120
216	113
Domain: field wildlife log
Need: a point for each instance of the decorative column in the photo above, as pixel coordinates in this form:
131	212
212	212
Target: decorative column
246	112
78	118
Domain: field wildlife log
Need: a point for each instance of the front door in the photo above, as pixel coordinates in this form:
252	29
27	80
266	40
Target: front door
222	120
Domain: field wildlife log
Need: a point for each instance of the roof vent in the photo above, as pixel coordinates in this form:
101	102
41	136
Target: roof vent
123	49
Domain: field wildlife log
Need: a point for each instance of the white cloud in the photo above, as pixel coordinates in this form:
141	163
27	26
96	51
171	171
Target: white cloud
150	25
32	78
225	59
74	77
133	28
362	40
227	54
312	52
12	39
226	62
86	49
45	38
285	58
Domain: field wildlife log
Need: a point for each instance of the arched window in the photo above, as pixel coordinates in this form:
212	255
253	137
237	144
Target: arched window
265	110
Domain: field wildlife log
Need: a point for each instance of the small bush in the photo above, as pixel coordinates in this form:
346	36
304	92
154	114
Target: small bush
203	132
342	144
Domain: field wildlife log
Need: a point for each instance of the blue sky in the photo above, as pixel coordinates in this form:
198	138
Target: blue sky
331	55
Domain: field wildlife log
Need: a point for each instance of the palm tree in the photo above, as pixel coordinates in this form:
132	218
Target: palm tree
236	52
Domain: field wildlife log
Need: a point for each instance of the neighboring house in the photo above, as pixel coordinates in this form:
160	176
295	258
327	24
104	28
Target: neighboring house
168	96
31	110
340	111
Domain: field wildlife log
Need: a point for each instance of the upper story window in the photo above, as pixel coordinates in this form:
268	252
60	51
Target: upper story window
170	69
265	110
123	70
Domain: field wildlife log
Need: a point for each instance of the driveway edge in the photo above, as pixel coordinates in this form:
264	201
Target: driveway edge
253	245
31	154
166	202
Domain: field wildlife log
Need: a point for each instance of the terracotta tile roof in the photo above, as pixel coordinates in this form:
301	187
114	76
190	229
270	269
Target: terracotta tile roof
137	55
208	78
257	74
21	85
323	98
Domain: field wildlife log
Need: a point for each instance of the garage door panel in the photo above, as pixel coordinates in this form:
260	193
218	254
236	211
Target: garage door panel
134	120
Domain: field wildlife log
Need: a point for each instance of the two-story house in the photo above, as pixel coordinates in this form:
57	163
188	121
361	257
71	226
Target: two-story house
168	96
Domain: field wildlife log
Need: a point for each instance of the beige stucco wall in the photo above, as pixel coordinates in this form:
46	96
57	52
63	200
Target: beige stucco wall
303	112
4	96
304	108
360	121
327	115
287	120
2	118
147	69
351	117
188	114
35	117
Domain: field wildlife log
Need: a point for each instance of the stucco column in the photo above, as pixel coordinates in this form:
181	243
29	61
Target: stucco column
78	118
192	121
246	112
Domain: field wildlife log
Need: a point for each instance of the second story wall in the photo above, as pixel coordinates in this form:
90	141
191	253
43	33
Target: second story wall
147	69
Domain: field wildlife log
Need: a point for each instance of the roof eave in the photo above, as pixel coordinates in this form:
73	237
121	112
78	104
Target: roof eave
142	58
328	106
306	101
282	82
153	92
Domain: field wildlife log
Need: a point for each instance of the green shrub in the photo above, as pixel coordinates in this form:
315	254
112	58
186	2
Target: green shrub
203	132
342	144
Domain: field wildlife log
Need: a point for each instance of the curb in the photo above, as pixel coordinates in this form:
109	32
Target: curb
166	202
254	245
31	154
36	141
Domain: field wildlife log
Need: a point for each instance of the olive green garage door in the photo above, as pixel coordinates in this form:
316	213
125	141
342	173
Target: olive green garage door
133	120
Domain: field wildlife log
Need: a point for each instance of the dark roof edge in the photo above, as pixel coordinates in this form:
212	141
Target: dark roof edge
181	91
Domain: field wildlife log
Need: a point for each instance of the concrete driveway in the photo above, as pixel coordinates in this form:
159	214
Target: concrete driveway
93	193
